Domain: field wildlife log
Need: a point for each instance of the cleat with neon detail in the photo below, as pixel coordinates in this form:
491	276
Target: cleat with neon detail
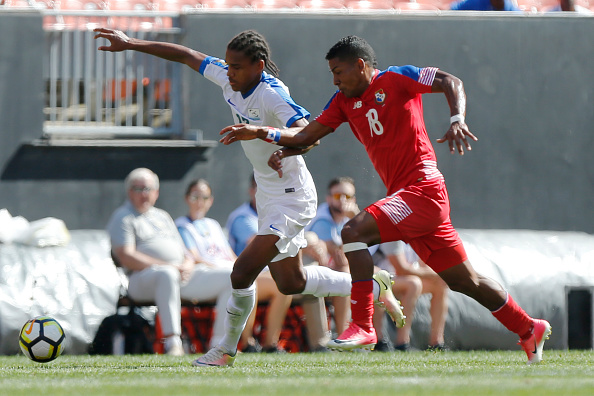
387	300
216	357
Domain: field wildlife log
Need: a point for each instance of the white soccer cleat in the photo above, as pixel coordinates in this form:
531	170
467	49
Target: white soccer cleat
216	357
387	300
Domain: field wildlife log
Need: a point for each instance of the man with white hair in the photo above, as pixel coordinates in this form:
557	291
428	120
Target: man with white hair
147	244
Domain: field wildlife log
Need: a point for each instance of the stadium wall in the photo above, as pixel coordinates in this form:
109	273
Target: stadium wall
528	102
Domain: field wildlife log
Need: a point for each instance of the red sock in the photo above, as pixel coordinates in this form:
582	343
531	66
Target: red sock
512	316
362	303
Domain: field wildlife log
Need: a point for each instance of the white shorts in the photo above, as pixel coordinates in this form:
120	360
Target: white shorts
286	215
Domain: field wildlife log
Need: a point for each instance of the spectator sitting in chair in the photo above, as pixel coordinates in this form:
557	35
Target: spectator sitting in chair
209	247
147	244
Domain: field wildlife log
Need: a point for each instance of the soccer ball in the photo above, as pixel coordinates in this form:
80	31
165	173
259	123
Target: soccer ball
41	339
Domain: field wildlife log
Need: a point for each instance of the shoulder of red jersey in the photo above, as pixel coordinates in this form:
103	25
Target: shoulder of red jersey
422	75
331	99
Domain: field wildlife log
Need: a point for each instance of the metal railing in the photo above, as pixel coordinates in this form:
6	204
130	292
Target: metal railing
95	94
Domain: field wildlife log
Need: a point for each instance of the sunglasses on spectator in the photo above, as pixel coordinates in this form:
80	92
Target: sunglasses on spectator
138	189
196	197
338	196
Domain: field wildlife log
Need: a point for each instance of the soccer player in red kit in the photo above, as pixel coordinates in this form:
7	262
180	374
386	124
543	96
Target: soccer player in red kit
385	112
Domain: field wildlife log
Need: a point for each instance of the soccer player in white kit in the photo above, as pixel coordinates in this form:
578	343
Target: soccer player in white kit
286	201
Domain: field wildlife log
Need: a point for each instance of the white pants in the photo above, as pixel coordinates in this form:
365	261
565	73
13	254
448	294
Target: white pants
161	284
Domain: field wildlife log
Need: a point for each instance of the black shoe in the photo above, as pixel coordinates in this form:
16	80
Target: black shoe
437	348
273	349
252	348
382	346
402	347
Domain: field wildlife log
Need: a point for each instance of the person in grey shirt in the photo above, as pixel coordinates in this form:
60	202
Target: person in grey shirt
147	244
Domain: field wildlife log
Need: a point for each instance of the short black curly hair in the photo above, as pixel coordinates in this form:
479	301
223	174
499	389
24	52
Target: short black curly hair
351	48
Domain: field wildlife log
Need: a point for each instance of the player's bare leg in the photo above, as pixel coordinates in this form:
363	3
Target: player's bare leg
532	332
252	260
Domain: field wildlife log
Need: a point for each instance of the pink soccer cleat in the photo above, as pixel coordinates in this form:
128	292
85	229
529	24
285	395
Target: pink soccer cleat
534	344
354	338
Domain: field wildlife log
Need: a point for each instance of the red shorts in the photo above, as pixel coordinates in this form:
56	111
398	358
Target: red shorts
420	216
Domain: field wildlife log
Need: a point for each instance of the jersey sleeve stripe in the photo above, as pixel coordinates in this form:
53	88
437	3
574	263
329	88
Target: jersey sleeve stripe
331	99
300	112
203	65
296	117
211	60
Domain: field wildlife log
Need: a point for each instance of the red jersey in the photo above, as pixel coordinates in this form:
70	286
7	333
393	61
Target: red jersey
388	120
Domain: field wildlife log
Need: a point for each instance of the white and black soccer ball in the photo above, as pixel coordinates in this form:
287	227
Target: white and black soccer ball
41	339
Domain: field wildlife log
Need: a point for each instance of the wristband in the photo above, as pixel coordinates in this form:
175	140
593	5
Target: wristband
273	136
457	117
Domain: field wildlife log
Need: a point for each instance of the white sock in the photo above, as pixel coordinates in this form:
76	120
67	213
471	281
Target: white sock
172	341
239	307
324	282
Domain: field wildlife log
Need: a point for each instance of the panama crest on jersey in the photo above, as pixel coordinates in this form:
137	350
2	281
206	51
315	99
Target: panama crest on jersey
380	97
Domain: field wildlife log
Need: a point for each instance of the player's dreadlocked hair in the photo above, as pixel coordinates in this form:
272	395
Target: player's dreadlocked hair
254	46
353	48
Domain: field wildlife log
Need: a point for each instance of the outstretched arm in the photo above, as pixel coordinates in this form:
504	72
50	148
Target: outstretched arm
300	137
169	51
453	89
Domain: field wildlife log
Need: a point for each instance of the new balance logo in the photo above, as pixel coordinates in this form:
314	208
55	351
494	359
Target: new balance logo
353	301
358	105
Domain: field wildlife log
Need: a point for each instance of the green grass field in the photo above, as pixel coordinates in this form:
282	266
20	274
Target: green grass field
421	373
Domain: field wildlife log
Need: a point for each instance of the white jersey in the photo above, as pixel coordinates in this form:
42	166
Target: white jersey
268	104
284	205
